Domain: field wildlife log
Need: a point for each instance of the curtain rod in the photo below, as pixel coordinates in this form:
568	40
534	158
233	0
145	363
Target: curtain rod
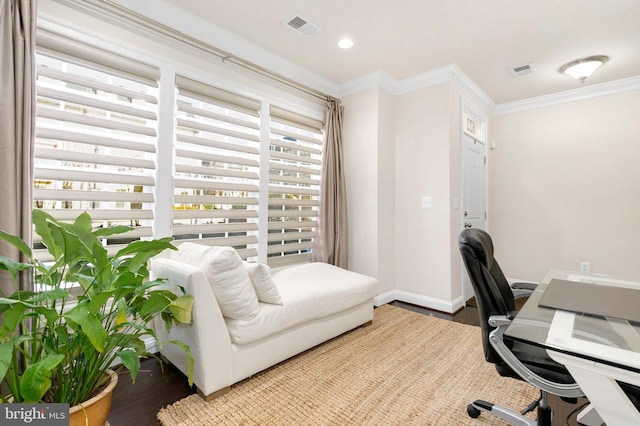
120	13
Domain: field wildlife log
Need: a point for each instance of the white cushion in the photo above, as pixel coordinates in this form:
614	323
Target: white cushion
263	284
227	276
309	291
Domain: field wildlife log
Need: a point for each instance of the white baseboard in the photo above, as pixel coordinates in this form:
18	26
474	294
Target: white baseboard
419	300
384	298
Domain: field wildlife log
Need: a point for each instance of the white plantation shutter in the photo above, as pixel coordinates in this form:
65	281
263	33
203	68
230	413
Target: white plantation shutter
96	150
216	182
295	157
95	146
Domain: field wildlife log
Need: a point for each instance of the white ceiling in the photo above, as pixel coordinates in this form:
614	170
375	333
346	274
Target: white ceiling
406	38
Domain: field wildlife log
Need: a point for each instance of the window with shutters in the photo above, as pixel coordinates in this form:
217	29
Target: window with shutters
216	182
295	156
95	143
97	150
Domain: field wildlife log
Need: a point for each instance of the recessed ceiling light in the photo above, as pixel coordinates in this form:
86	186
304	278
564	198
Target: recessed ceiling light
345	43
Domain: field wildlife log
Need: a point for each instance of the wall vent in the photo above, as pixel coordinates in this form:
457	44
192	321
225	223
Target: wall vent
523	70
301	25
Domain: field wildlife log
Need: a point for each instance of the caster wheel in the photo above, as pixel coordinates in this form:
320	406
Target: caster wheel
472	411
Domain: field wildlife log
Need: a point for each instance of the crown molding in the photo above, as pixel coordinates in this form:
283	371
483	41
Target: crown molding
453	74
374	80
445	74
603	89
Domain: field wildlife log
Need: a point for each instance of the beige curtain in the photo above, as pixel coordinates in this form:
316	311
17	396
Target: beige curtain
330	243
17	124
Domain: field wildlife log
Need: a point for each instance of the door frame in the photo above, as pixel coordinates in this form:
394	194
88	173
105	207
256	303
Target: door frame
474	112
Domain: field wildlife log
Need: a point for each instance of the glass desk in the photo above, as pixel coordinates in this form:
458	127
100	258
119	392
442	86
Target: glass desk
598	351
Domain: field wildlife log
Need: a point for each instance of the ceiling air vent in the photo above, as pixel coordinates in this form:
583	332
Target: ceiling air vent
523	70
302	25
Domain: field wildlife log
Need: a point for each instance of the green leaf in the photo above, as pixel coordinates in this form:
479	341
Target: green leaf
13	267
76	243
121	317
190	360
50	315
181	309
41	221
98	301
91	326
13	316
17	243
86	282
68	250
155	304
140	261
83	221
130	360
129	340
36	379
6	353
62	332
153	246
54	294
112	230
18	297
127	282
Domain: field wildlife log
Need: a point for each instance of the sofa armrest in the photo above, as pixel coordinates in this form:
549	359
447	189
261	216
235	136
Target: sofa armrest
206	336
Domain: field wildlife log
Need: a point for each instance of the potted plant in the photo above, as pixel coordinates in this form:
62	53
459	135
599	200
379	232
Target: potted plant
87	309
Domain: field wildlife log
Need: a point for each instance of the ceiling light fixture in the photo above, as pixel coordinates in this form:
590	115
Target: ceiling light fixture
345	43
582	68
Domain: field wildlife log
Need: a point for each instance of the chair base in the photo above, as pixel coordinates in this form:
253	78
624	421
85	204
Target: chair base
515	418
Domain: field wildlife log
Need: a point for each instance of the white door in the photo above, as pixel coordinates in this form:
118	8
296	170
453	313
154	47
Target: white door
473	193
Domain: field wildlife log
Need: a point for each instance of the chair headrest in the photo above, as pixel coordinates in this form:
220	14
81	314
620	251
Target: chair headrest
480	243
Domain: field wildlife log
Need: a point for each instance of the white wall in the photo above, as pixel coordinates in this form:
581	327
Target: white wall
455	188
564	187
423	255
399	149
386	190
369	153
360	136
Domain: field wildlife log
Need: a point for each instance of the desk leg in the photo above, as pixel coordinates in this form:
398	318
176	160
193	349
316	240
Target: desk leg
598	382
589	417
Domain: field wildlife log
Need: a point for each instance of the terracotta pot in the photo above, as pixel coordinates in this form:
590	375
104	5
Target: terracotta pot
95	411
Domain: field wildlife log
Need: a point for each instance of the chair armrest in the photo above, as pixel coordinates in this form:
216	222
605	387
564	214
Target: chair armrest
522	289
524	286
496	338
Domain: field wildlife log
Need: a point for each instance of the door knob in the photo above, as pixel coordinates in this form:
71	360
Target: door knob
467	225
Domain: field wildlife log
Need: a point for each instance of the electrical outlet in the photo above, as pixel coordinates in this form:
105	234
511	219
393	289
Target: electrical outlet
427	202
585	267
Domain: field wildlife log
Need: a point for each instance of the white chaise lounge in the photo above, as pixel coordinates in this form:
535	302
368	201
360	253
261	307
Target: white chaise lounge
246	319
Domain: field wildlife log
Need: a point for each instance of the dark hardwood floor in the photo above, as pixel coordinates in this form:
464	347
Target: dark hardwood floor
156	387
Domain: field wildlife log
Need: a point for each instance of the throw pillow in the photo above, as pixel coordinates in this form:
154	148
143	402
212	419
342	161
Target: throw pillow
266	289
227	276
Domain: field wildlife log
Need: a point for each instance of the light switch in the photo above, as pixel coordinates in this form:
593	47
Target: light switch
427	202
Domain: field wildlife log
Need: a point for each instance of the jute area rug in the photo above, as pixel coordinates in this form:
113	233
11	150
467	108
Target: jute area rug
405	369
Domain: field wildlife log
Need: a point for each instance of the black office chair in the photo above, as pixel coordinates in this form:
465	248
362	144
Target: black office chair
495	299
